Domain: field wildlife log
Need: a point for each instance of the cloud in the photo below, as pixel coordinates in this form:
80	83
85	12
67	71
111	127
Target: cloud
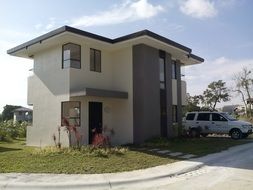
200	9
128	11
222	68
13	74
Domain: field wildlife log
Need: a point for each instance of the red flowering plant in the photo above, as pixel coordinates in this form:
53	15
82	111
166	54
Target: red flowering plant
57	143
102	139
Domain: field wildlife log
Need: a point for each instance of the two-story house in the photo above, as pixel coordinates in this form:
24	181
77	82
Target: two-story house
131	84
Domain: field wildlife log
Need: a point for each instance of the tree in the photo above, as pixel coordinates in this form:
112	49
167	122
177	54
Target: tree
216	92
7	113
192	103
244	87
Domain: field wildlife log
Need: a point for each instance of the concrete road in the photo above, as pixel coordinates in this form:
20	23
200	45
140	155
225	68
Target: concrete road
229	171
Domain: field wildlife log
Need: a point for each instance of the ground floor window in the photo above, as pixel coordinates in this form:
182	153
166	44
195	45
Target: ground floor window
174	114
70	113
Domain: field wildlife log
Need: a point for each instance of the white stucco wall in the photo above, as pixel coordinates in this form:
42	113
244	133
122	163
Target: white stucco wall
183	90
116	74
174	92
48	87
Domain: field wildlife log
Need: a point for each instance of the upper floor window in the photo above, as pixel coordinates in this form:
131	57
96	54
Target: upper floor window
162	69
174	70
162	73
95	60
71	56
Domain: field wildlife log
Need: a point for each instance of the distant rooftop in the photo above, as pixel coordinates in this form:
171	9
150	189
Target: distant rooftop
23	109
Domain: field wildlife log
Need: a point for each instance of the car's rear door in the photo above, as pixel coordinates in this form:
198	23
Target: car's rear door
203	122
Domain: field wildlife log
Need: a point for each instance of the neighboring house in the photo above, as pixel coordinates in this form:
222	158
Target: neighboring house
234	109
22	114
250	103
131	84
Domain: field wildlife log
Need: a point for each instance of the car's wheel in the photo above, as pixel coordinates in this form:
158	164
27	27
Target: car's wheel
194	133
236	134
245	135
204	134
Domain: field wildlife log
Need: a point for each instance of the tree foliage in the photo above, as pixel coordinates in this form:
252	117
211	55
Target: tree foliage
192	103
10	130
244	87
7	113
216	92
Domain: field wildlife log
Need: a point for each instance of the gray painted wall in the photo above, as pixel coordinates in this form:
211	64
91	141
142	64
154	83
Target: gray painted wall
179	93
168	68
146	93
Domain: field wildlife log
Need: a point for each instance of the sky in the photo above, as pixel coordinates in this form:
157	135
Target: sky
220	31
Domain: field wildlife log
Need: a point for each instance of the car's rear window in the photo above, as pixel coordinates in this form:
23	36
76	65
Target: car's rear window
203	117
190	116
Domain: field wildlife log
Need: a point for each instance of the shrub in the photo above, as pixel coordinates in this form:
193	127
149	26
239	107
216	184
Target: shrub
10	130
83	150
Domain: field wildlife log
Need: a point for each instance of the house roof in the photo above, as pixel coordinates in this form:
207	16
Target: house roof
23	109
133	36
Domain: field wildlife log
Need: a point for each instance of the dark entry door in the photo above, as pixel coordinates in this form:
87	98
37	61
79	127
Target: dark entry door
95	119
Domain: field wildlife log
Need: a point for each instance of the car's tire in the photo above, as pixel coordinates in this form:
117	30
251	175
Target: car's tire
204	134
236	134
245	135
194	133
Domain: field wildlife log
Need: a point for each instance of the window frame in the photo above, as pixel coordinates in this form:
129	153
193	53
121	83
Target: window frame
174	69
197	119
94	60
79	104
63	60
221	116
191	115
162	82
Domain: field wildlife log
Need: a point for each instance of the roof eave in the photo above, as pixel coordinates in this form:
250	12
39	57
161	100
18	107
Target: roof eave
199	59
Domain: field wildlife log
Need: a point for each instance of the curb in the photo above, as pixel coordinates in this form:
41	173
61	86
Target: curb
105	184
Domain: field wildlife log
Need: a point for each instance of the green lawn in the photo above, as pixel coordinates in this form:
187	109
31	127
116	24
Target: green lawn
16	157
197	146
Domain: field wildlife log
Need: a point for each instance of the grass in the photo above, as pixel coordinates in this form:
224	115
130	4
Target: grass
16	157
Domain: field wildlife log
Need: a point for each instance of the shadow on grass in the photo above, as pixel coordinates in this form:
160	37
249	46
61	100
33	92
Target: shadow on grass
197	146
4	149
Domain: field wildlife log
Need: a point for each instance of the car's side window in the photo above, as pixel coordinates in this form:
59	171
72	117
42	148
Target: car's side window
203	116
218	117
190	116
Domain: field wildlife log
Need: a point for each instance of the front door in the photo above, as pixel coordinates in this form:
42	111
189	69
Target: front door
95	119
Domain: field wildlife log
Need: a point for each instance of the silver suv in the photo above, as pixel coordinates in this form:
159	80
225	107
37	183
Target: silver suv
204	123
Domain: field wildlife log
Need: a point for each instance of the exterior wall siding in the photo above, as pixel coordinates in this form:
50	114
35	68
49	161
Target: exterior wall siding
179	93
50	85
116	74
146	93
169	92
